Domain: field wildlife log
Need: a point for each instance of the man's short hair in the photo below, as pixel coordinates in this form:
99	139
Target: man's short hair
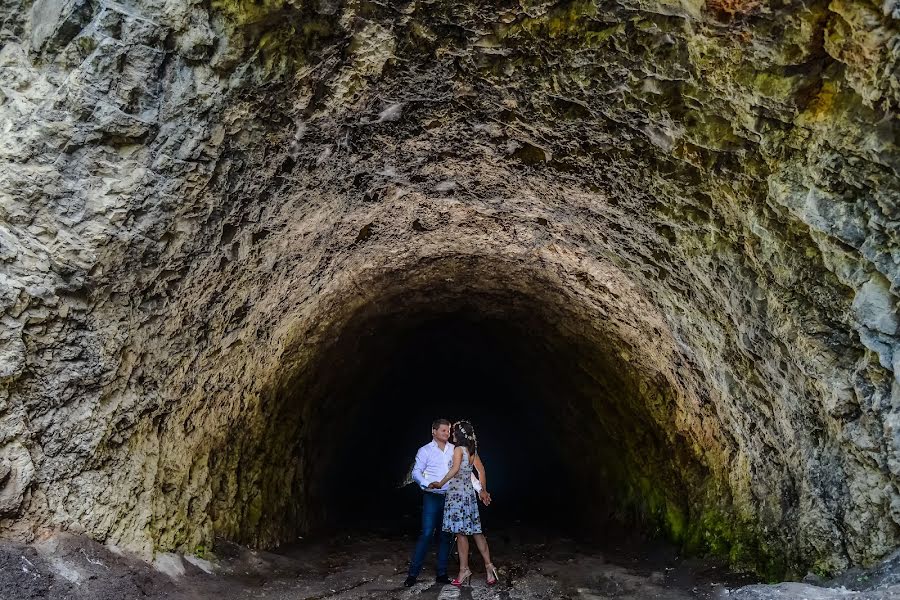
438	422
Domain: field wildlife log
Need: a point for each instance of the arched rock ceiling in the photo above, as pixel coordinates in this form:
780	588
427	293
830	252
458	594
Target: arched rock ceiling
198	197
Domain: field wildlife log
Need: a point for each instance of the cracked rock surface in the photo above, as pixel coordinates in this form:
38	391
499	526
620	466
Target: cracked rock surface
206	209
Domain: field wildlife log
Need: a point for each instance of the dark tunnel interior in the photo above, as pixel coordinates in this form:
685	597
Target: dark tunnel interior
453	368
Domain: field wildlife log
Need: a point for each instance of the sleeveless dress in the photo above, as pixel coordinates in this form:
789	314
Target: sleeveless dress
461	505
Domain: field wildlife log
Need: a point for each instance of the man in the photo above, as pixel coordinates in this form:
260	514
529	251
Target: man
433	460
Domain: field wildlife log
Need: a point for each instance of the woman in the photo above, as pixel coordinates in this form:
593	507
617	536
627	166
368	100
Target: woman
461	507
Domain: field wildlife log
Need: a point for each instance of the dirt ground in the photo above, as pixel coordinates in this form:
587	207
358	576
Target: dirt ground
351	566
369	565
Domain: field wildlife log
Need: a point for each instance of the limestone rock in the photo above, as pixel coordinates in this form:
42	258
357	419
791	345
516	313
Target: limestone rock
205	209
54	23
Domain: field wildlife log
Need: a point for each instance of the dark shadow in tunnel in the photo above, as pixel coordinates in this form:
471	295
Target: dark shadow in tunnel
453	367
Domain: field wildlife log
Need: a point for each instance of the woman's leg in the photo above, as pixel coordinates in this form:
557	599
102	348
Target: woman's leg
482	544
462	544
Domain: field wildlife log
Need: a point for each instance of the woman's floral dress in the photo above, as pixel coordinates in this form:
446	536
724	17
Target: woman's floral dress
461	505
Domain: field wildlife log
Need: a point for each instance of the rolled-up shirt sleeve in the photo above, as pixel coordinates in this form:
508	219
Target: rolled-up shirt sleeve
418	472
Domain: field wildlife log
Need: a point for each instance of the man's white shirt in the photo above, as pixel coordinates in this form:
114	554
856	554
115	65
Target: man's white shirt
432	464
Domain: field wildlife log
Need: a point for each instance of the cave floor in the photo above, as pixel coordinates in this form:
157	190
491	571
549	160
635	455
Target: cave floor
531	566
369	565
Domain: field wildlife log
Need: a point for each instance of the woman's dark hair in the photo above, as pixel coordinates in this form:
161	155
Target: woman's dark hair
464	434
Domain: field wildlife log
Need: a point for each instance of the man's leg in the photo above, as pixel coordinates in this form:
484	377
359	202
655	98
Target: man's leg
431	510
445	544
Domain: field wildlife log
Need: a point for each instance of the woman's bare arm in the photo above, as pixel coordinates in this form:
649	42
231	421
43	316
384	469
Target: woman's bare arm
482	476
454	469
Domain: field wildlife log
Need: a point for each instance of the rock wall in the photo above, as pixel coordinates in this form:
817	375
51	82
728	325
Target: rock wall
198	198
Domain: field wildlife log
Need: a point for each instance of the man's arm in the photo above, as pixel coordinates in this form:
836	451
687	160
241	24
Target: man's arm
418	472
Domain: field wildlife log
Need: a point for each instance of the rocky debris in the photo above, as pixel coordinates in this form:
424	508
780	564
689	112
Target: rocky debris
63	566
796	591
359	566
363	565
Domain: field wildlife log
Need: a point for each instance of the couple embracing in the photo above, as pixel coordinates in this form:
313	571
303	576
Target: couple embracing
444	472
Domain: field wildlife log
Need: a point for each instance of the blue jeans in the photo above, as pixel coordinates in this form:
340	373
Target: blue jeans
432	519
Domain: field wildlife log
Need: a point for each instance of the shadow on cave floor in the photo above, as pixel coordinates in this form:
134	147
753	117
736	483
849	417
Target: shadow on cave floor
533	563
356	566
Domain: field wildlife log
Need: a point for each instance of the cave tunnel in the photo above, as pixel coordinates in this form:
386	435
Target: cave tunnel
578	436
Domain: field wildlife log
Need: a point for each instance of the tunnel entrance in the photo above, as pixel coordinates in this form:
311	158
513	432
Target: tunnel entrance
573	429
576	401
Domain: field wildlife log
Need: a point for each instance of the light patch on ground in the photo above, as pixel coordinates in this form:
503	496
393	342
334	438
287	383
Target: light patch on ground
485	593
68	572
170	564
449	592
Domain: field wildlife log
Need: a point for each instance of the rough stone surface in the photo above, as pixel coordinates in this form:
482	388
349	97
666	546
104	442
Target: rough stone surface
694	203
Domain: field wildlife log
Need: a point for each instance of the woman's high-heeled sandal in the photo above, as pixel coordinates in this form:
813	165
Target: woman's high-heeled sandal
492	576
465	579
